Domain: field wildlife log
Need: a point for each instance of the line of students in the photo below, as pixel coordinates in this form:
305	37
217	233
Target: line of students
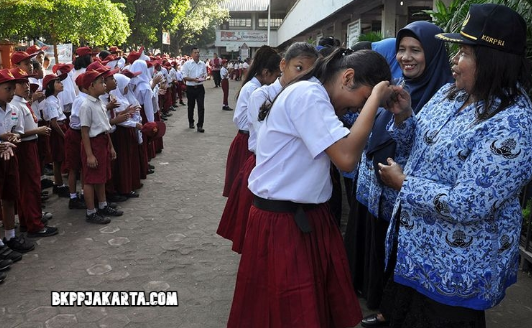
106	135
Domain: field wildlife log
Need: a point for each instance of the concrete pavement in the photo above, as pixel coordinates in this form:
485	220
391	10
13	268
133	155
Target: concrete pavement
166	241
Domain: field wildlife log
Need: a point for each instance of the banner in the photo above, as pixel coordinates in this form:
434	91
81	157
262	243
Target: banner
244	36
166	37
64	52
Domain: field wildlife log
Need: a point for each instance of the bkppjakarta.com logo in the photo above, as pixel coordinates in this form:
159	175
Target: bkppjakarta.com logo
116	298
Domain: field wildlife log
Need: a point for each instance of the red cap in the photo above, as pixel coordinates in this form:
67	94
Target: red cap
114	49
52	77
134	55
34	87
21	74
91	76
130	74
95	65
36	49
109	72
6	76
79	80
19	56
82	51
62	68
154	130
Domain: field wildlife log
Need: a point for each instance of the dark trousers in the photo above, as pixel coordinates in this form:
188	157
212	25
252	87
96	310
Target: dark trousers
225	89
217	78
196	93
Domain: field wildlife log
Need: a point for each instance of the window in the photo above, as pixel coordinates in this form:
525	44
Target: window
239	22
274	22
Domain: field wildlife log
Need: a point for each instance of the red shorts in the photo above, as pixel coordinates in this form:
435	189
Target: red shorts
9	179
100	149
57	144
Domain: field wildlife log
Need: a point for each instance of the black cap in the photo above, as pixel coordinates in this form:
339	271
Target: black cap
491	25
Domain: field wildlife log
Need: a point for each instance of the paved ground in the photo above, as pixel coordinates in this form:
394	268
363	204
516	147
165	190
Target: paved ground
166	241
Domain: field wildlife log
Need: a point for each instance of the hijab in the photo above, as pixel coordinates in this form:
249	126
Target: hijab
387	49
436	74
437	68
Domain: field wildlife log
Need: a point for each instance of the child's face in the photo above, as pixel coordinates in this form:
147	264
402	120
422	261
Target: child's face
7	91
110	83
346	99
26	66
22	89
270	77
58	86
98	86
294	67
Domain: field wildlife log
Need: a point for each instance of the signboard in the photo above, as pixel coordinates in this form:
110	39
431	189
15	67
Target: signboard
64	52
353	33
166	37
244	51
244	36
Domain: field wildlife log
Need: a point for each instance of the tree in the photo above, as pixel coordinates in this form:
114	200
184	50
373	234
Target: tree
92	22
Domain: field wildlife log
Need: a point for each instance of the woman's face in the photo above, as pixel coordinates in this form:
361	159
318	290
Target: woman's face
464	68
58	86
411	57
294	67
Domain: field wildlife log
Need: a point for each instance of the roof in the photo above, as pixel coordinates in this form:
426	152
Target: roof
246	5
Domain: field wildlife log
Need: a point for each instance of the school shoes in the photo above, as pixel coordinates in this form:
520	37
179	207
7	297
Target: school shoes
76	204
19	244
107	210
45	232
226	108
373	321
115	198
5	264
96	219
7	253
200	129
191	125
3	277
61	191
182	103
46	183
132	194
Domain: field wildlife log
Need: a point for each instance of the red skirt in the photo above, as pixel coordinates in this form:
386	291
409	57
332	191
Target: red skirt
45	153
237	156
73	150
127	177
101	173
235	216
57	144
287	278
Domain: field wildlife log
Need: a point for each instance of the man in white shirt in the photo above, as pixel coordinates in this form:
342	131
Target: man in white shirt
194	74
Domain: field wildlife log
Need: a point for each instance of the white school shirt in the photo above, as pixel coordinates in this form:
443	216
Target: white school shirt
35	104
240	117
75	122
53	108
194	70
178	75
93	114
291	160
25	117
266	93
10	120
68	94
224	73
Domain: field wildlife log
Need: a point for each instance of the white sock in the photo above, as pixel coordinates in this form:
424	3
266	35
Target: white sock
73	195
9	234
102	205
89	212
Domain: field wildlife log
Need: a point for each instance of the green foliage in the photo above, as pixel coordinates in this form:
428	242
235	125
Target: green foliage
371	36
77	21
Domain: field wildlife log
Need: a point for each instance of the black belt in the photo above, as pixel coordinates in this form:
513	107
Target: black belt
243	131
195	86
281	206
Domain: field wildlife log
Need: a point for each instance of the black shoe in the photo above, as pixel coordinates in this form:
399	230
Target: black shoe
45	232
226	108
163	118
3	277
7	253
191	125
97	219
76	204
46	216
373	321
150	171
182	103
48	171
115	198
200	129
151	167
168	114
46	183
174	108
132	194
19	244
61	191
107	210
5	264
